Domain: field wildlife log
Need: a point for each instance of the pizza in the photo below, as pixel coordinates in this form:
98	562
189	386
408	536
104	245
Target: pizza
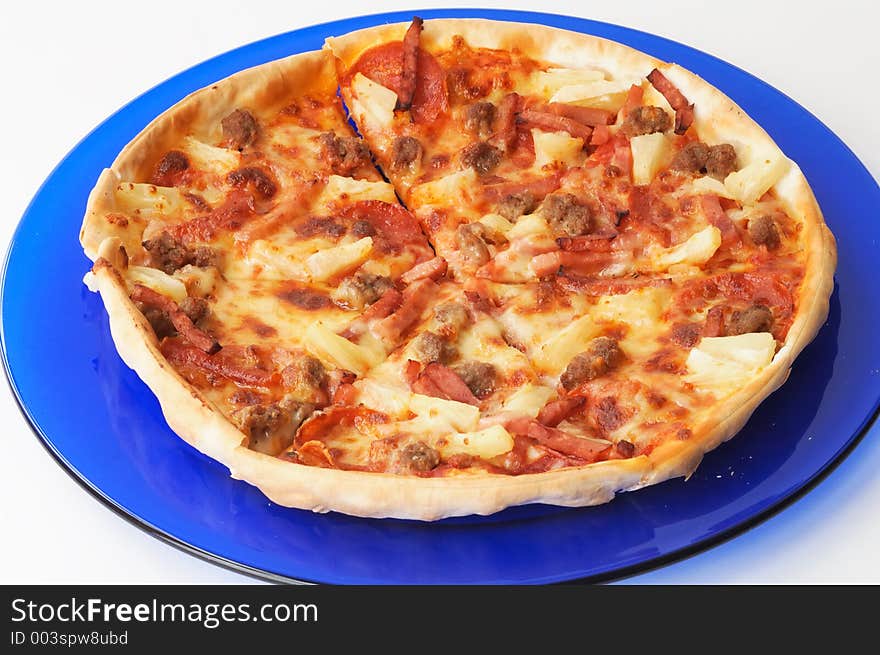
442	268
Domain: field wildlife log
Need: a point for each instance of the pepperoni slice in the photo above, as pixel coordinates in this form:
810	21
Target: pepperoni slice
225	363
237	210
319	425
384	64
396	226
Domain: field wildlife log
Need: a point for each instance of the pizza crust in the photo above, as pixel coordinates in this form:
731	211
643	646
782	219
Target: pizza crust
202	425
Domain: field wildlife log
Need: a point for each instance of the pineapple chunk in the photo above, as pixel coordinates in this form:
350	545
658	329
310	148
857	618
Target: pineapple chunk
460	416
350	189
725	361
556	352
649	153
698	249
528	399
339	352
148	200
750	183
551	147
600	94
332	262
451	190
709	185
546	83
158	281
528	225
488	443
199	282
210	158
383	398
276	263
372	103
496	223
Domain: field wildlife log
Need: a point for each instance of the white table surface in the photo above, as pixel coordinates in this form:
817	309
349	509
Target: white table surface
67	66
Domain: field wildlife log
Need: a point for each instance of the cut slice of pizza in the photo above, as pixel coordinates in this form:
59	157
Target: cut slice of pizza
250	232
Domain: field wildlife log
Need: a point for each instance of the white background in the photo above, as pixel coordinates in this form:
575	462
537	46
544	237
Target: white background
67	66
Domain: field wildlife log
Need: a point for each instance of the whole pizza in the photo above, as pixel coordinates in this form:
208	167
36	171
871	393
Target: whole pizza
443	268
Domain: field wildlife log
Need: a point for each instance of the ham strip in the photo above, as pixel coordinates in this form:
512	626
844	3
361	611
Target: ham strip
555	412
411	371
538	188
716	215
633	99
714	325
585	115
601	135
181	322
414	300
432	269
684	111
588	450
597	242
555	123
409	73
584	262
387	304
440	381
505	135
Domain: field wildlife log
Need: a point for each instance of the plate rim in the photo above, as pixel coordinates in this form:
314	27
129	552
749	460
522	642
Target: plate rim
620	573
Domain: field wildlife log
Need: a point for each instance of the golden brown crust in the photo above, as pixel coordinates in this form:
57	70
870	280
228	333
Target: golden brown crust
382	495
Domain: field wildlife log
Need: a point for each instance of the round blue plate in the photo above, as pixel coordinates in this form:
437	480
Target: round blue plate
104	426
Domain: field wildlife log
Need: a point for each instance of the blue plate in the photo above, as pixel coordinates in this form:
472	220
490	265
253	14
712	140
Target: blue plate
104	426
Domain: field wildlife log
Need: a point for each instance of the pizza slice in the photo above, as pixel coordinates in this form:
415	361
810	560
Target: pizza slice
253	231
